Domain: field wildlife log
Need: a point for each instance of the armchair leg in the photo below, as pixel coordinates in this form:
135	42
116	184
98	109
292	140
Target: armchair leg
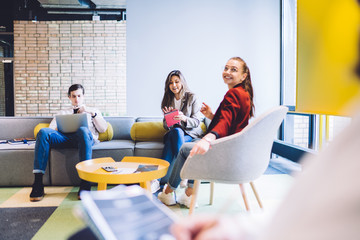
194	196
212	185
242	189
256	194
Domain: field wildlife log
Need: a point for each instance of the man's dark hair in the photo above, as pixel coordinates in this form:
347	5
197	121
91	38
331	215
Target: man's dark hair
75	87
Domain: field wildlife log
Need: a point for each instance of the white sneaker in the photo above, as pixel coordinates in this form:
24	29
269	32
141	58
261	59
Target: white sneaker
186	200
167	199
183	183
155	186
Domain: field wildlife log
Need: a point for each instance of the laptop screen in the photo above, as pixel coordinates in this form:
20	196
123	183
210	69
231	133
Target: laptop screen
70	123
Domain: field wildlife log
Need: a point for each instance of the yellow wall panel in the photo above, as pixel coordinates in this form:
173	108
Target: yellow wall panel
328	37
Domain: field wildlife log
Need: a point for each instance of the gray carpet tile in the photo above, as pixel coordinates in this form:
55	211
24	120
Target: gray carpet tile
22	223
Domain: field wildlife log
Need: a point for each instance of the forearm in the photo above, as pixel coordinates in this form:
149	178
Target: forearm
99	122
209	137
202	146
209	116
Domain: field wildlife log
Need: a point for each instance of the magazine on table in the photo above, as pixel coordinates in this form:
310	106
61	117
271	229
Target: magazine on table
126	212
147	168
21	141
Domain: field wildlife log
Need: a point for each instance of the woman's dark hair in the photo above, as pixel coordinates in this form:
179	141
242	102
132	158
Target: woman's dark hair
75	87
168	94
247	83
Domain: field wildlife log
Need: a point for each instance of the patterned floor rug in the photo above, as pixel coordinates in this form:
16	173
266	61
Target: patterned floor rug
57	215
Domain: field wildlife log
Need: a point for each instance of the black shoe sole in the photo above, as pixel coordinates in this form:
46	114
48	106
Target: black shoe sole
36	199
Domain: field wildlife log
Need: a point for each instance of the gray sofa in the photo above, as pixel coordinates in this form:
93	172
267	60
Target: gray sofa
16	161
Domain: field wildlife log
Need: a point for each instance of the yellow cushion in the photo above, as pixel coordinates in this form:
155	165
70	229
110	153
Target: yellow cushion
40	126
107	135
147	131
203	127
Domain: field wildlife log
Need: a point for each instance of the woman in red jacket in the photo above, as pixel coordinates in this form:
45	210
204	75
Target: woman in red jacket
231	117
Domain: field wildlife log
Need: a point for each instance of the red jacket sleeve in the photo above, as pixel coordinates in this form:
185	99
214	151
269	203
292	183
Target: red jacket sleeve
233	113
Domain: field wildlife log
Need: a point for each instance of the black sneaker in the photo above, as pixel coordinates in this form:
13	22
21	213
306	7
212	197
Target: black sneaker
37	193
84	186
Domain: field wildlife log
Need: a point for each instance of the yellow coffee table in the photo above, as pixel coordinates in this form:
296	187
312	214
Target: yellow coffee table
91	170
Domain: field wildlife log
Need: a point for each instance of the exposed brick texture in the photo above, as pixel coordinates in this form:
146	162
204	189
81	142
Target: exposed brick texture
301	131
51	55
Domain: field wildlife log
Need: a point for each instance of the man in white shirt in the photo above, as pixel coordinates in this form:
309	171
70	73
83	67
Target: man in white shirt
83	139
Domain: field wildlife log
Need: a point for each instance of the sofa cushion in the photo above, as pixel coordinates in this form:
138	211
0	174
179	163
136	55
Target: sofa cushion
149	149
121	126
114	144
107	135
20	127
203	127
147	131
40	126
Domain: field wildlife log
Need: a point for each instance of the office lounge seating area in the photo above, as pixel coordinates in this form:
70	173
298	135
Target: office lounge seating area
123	59
131	136
128	139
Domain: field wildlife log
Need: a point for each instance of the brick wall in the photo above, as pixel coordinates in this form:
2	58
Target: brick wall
51	55
301	131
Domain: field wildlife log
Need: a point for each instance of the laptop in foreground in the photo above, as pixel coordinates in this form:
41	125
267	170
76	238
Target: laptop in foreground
126	213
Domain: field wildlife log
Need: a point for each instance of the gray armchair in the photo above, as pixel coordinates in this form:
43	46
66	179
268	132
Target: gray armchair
238	158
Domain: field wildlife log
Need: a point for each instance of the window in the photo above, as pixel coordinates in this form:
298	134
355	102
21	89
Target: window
6	74
305	130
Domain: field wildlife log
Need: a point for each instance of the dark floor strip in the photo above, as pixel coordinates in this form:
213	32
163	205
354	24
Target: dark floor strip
13	226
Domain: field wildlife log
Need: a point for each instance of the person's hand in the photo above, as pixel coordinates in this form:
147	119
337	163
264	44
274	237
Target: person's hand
203	227
84	109
180	117
206	110
167	109
201	147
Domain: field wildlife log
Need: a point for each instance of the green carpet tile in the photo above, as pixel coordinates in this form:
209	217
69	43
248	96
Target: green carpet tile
5	193
60	222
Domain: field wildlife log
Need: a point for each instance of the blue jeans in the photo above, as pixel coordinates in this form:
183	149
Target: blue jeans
173	140
175	179
48	138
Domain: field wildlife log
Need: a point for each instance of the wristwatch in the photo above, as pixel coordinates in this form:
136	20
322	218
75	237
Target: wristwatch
94	115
